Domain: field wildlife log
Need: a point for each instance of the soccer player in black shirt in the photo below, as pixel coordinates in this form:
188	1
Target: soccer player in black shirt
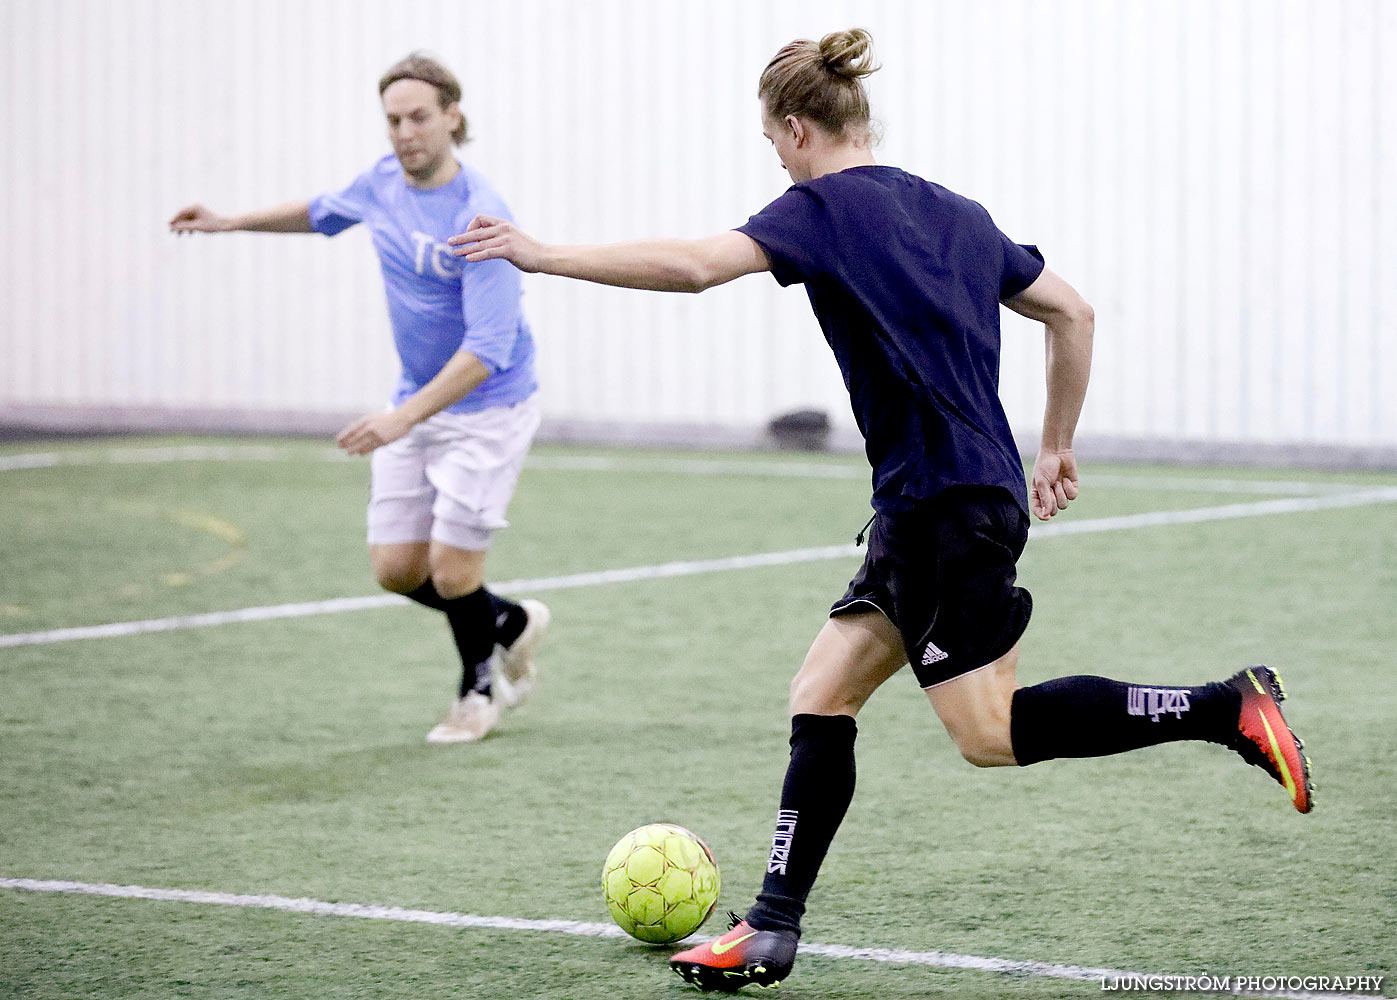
906	279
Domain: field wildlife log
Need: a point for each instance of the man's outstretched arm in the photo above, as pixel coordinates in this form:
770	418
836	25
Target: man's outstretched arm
657	265
292	217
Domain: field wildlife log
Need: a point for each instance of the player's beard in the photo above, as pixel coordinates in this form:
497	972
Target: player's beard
426	171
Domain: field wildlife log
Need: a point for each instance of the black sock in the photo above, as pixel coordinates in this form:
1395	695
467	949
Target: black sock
510	620
472	620
818	789
1094	717
427	596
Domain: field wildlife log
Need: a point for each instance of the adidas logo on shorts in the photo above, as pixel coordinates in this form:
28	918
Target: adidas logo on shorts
933	654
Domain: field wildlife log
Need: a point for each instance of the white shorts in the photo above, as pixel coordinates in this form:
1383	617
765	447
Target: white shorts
450	479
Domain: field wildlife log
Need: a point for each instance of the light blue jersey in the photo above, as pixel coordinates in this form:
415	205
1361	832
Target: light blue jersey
439	304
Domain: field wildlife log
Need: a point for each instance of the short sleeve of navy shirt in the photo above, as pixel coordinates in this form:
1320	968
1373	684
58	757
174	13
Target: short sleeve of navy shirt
906	279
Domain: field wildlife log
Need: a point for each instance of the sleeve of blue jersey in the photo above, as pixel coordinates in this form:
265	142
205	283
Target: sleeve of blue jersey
491	292
335	211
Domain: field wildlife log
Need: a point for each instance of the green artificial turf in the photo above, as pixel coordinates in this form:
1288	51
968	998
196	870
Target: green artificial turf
286	757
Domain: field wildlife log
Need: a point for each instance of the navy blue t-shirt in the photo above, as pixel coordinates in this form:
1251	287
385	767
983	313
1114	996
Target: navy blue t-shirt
906	278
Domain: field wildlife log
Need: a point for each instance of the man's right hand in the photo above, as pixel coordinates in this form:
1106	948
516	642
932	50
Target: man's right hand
198	219
487	238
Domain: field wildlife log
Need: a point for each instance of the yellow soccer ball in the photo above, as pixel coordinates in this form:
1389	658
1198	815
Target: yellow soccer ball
660	882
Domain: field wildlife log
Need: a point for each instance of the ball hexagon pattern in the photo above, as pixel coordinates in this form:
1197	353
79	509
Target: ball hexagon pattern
660	882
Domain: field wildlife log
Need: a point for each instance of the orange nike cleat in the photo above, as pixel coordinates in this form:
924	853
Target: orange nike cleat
743	955
1263	738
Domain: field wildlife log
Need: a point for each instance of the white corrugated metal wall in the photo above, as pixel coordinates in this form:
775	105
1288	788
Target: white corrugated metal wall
1215	177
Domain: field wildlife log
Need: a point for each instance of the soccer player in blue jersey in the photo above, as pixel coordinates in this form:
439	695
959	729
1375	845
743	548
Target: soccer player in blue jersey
448	451
906	279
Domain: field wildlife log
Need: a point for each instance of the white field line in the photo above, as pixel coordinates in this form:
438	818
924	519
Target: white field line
577	928
308	608
1197	515
1226	512
151	456
611	463
816	470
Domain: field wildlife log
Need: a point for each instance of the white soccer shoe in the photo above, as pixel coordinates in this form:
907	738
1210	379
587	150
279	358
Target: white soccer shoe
518	675
471	718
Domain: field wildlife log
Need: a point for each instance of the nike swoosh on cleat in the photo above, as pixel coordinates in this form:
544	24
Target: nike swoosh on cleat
1287	780
722	949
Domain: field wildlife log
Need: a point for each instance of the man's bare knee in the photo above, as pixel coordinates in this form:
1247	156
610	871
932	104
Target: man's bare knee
982	734
398	584
985	750
451	583
975	707
849	659
456	572
399	576
400	568
813	694
457	577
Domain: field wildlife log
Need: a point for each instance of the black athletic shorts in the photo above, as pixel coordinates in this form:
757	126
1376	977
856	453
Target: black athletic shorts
943	573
